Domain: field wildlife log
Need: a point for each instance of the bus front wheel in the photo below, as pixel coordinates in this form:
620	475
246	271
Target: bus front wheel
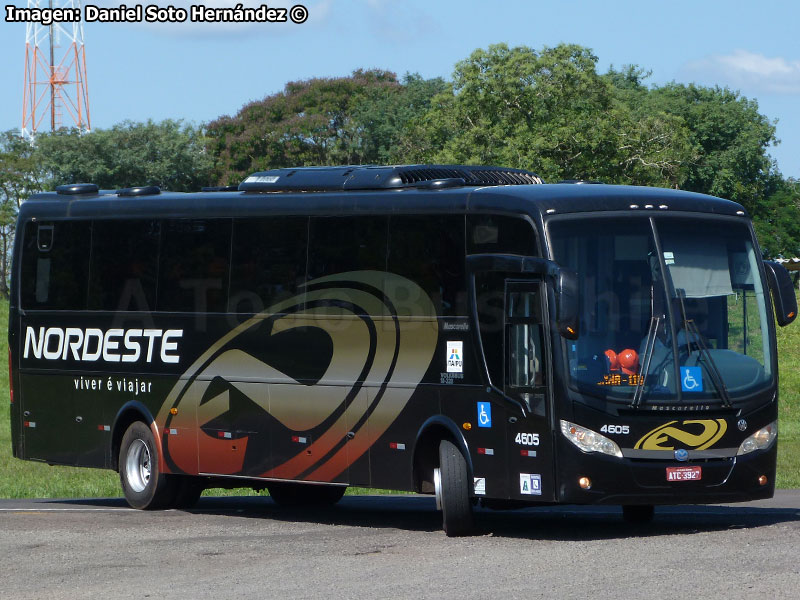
452	487
143	485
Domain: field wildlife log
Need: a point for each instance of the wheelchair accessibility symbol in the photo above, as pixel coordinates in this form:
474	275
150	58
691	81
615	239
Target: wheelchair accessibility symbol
484	414
691	379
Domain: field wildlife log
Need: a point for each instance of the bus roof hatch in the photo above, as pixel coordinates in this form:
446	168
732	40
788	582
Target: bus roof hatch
373	177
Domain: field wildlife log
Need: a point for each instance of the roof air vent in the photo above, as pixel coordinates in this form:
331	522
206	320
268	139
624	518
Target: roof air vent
482	176
74	189
414	176
147	190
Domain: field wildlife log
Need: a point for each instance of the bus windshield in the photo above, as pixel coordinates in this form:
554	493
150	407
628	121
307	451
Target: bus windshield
672	309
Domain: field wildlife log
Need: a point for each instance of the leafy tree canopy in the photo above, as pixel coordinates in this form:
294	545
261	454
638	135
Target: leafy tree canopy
169	154
730	139
551	112
20	175
321	121
20	171
777	221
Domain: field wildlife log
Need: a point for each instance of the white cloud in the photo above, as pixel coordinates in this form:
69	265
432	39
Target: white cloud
747	71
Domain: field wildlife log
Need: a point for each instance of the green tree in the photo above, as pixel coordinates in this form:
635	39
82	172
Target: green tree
731	139
654	147
169	154
20	176
321	121
777	221
550	112
383	117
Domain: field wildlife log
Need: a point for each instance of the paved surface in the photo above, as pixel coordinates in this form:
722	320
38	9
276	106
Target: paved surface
392	547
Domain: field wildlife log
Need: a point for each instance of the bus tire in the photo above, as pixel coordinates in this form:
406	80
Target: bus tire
144	486
638	514
290	495
452	490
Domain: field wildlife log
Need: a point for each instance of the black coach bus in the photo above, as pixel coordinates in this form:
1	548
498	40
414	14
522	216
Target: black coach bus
466	332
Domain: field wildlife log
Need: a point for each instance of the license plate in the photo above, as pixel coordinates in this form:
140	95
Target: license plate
684	473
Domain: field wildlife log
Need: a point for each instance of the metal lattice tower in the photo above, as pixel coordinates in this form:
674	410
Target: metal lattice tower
56	88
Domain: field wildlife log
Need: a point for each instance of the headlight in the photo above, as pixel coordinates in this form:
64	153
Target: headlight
760	440
588	440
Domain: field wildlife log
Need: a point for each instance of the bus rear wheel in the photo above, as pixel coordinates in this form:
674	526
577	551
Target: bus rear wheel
451	485
290	495
143	485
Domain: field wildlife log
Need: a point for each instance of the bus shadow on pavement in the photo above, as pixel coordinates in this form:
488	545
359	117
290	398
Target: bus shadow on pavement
586	523
418	513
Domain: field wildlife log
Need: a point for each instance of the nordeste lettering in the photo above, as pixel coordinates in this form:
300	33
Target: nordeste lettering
111	345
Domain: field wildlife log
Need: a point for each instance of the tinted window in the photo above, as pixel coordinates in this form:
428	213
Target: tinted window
500	235
494	234
429	250
55	265
490	296
342	244
269	261
194	270
124	265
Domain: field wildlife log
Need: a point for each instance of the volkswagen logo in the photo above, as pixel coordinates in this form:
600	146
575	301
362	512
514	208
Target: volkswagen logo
682	455
742	424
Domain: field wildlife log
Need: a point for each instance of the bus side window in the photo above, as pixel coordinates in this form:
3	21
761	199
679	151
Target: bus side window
342	244
429	250
490	300
55	265
268	261
525	343
124	265
497	234
195	265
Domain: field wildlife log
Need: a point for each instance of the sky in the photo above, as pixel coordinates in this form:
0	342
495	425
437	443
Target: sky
200	71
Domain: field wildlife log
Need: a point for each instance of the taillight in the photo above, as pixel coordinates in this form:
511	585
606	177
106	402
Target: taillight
10	378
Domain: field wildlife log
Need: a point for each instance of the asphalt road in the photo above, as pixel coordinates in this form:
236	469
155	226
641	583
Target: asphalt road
392	547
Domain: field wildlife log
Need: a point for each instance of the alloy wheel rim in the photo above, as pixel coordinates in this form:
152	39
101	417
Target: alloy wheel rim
138	466
437	486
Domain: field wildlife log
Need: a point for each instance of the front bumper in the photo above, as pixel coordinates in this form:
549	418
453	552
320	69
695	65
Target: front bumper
644	481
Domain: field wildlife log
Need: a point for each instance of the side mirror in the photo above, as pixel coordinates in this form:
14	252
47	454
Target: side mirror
780	284
567	304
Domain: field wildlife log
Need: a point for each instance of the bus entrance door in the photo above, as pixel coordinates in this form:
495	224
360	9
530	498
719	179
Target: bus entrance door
526	380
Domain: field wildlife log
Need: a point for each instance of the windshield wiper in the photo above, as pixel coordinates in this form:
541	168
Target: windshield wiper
644	365
693	335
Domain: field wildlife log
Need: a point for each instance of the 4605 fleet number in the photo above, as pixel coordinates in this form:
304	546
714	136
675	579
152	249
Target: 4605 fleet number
527	439
623	429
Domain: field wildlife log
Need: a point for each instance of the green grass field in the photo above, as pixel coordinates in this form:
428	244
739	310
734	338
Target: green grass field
789	398
25	479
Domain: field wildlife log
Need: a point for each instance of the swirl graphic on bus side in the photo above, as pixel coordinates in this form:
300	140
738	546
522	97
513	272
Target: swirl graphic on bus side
698	434
303	389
